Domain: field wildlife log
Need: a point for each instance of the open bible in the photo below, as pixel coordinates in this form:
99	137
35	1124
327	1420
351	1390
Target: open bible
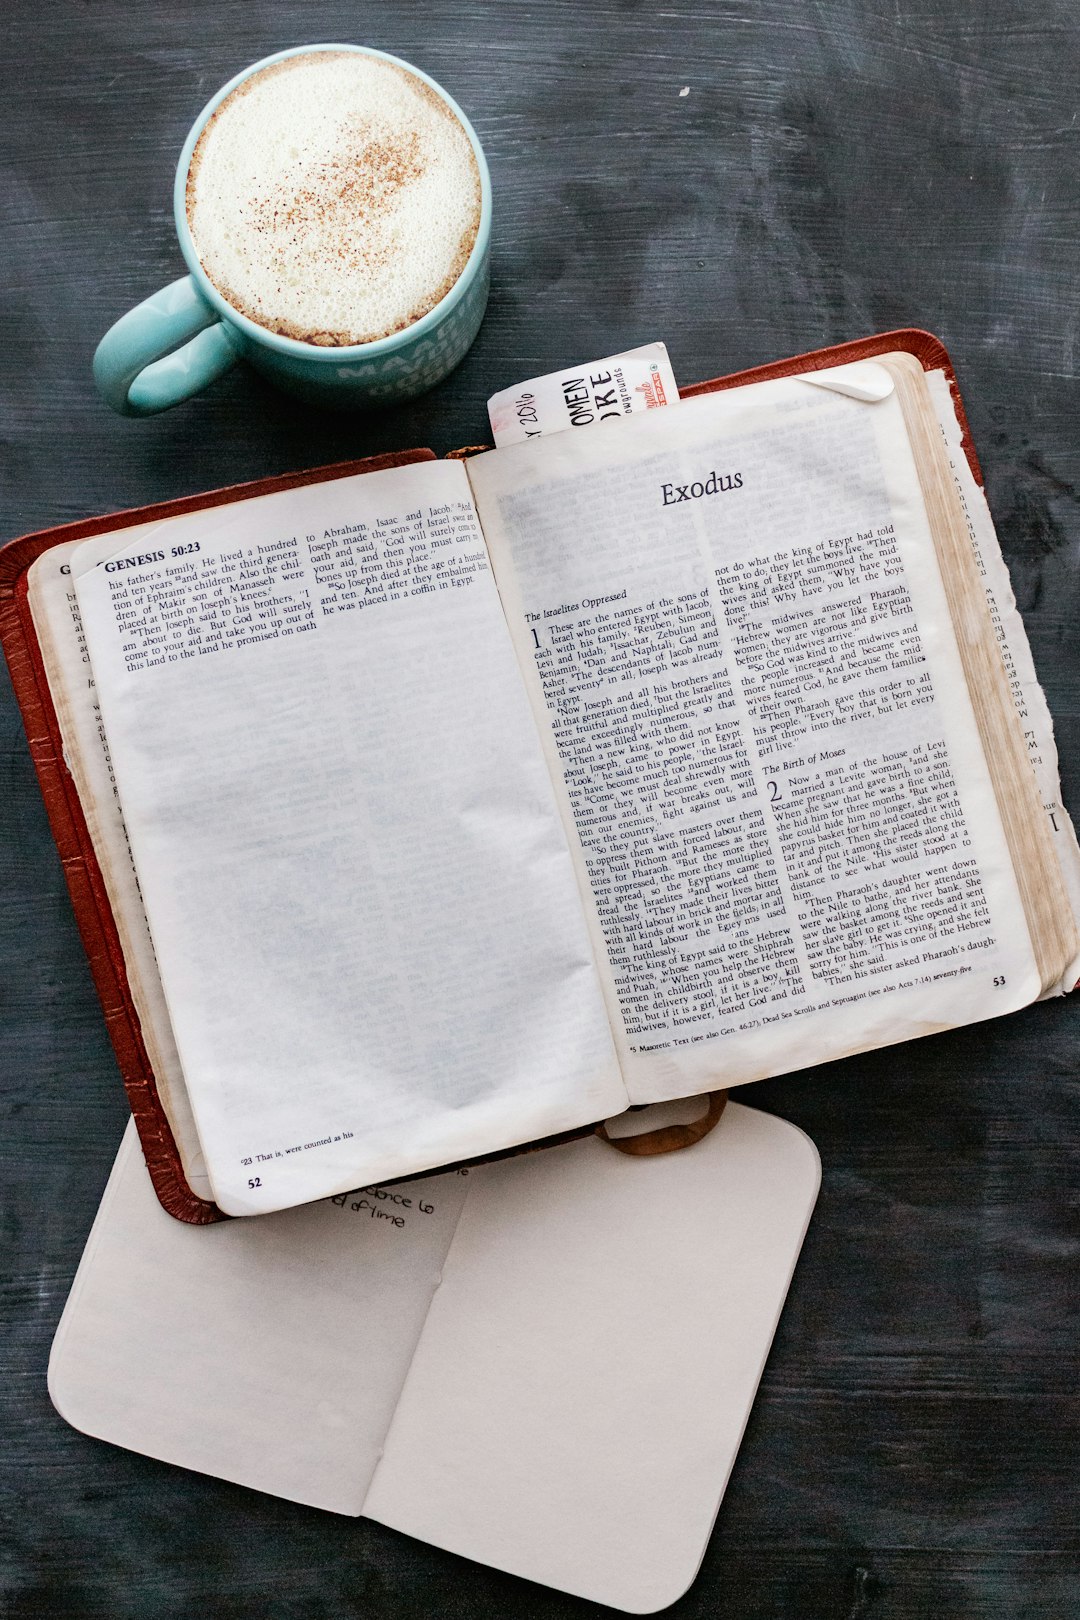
446	806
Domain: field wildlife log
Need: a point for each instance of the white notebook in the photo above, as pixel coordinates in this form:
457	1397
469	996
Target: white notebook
544	1364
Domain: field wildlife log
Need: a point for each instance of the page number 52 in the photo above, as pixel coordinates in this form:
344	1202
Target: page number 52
255	1181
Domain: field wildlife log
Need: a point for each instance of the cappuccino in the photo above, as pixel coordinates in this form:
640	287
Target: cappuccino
334	198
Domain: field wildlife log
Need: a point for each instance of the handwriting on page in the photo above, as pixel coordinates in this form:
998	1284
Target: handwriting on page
393	1206
182	603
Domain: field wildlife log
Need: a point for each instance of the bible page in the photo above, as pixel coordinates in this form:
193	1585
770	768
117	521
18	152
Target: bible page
735	632
360	894
270	1353
55	611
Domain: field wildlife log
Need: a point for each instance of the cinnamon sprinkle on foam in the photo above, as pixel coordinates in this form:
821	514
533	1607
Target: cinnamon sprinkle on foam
333	198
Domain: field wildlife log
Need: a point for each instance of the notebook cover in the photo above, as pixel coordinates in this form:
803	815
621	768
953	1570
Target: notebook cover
68	824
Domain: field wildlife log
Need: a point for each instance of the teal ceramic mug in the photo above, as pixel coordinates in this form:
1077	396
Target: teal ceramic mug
173	344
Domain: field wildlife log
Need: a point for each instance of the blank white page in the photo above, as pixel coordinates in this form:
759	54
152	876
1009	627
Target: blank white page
270	1352
586	1369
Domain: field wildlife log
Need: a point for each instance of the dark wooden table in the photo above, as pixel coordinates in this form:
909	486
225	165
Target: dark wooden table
836	168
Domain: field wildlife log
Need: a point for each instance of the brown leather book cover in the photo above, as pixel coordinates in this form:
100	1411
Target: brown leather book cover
68	823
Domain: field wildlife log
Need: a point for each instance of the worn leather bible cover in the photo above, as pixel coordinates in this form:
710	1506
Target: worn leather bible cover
68	823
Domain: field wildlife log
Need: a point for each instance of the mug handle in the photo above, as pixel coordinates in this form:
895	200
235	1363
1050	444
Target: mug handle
162	351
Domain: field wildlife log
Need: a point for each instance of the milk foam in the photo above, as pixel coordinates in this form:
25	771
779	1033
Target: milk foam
334	198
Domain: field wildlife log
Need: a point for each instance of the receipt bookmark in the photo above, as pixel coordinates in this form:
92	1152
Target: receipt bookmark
622	385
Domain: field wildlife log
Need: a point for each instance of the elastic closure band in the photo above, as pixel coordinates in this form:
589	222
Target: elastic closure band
668	1138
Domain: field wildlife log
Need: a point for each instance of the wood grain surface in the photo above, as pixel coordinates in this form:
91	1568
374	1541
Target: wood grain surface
836	167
